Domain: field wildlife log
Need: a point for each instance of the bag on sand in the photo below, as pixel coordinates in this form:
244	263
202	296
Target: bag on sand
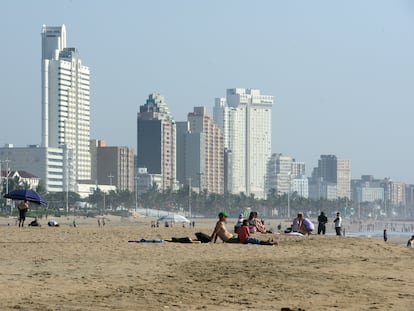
202	237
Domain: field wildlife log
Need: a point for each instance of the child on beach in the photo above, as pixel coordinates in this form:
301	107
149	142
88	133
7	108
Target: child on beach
245	238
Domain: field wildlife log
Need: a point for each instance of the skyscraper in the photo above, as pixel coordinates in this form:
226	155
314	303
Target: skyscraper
65	103
210	170
156	139
245	118
331	173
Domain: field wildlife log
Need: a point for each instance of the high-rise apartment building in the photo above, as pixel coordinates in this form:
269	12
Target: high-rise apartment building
343	178
285	175
331	173
114	165
156	140
208	170
182	131
245	118
65	103
279	174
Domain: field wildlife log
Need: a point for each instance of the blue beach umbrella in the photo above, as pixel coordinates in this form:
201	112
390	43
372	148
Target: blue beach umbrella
26	194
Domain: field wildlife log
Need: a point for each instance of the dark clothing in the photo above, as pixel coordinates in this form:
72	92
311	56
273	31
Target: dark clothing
322	220
22	214
338	230
321	228
34	223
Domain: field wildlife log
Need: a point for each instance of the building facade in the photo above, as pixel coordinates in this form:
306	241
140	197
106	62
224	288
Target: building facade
156	140
332	174
245	117
285	175
65	100
114	165
46	163
209	140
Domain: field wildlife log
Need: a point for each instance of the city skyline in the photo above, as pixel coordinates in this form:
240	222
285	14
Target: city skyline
340	73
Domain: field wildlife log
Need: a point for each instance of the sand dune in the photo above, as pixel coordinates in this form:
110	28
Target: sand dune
95	268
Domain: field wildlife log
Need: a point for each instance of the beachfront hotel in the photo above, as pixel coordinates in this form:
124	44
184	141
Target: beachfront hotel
156	140
65	105
245	117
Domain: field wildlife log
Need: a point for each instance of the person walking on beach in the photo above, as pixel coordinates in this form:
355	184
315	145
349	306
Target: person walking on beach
22	207
220	231
338	223
322	221
385	235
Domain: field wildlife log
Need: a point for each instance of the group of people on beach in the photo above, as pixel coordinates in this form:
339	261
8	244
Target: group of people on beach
243	228
23	207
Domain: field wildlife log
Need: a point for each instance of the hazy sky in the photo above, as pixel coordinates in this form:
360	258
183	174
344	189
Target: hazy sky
341	72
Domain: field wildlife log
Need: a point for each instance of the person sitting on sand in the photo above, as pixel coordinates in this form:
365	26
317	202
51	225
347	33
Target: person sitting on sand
307	226
245	238
34	223
221	231
297	223
239	222
255	224
410	242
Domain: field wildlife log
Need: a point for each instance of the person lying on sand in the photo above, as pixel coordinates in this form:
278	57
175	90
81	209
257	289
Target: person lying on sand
245	238
221	231
53	223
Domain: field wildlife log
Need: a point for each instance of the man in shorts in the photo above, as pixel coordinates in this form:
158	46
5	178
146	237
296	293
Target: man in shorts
22	207
220	231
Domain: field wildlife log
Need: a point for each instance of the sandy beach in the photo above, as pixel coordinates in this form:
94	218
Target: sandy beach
95	268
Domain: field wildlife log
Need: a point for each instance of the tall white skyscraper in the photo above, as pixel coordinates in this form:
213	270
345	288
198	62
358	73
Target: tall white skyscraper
65	103
245	117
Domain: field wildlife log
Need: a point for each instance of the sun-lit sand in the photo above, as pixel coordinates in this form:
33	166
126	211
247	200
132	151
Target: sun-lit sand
95	268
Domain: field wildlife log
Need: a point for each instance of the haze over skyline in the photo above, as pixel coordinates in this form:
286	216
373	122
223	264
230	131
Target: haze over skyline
341	73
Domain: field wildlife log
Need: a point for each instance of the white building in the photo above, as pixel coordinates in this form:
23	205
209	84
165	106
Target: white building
285	175
245	118
145	181
279	174
65	102
46	163
301	186
370	194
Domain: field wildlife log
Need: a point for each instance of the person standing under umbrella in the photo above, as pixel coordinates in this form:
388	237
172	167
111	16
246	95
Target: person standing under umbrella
22	207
